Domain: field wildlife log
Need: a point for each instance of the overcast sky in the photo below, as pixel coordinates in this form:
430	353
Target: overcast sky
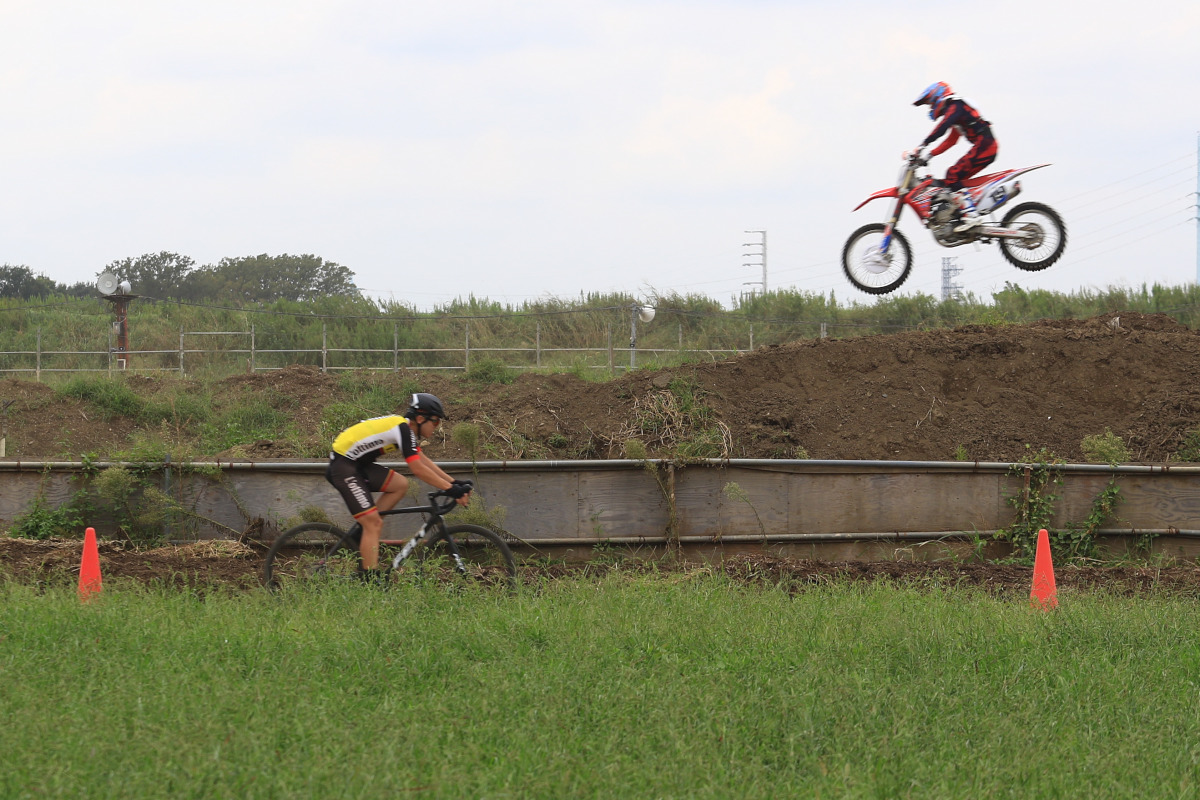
521	150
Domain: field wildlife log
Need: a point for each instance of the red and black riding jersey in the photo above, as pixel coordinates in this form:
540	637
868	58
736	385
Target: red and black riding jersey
959	118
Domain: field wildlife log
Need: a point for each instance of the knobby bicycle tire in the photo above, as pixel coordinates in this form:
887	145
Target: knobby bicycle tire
487	558
312	550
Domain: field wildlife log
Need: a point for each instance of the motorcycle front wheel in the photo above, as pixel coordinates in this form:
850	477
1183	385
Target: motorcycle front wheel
871	270
1045	237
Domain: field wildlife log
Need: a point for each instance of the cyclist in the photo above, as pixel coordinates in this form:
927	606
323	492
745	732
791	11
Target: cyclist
354	473
959	118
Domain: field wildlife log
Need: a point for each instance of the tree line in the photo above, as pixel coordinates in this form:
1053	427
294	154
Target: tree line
172	276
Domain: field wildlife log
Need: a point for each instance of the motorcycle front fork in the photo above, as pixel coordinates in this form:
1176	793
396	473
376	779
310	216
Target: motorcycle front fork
890	226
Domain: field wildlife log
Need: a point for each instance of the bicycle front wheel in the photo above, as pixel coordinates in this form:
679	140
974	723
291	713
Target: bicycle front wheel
313	550
482	556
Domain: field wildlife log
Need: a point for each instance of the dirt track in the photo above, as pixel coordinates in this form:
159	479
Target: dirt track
208	565
990	393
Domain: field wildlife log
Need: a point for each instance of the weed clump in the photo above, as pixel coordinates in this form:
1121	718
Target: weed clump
489	371
466	436
1189	448
1105	448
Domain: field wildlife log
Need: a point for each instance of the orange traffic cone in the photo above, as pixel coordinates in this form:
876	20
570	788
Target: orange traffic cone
89	569
1044	594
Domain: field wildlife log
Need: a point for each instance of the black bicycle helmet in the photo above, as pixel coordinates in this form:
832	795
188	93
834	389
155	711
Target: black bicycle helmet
426	405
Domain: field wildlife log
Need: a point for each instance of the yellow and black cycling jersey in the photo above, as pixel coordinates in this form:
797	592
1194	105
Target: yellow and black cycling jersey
372	438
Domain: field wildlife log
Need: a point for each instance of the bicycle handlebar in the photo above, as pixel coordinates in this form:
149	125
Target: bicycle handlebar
445	508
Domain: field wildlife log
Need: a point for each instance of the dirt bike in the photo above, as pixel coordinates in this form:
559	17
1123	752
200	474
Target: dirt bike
877	257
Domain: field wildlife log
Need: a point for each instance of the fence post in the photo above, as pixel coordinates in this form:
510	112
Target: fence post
612	368
823	333
110	352
181	352
395	347
253	355
680	330
38	363
324	347
467	347
751	337
538	343
168	530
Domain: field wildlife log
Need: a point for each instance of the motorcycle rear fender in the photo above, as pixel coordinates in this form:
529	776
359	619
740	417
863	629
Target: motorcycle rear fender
993	177
880	195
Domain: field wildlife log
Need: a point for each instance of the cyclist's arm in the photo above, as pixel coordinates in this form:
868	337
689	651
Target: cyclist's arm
424	468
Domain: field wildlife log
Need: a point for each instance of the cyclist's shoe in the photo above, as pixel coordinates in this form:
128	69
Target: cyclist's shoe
374	577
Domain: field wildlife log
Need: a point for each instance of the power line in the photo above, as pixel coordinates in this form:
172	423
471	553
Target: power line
1130	177
1177	184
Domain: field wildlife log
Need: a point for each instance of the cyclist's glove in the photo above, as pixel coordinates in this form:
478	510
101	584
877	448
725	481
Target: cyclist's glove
458	489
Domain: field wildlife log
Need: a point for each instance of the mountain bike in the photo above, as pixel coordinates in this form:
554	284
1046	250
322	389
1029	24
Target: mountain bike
323	551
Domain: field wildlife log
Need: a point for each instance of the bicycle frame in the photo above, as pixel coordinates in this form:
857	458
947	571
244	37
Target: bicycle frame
435	523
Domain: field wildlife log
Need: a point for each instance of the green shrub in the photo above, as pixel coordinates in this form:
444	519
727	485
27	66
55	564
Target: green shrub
43	522
1105	448
1189	448
111	396
490	371
466	436
245	424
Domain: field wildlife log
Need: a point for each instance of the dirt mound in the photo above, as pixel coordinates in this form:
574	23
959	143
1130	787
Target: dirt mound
982	393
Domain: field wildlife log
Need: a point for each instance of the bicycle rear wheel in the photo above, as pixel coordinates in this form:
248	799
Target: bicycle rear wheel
310	551
483	556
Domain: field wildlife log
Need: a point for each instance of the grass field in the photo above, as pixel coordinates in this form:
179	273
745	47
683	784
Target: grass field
620	686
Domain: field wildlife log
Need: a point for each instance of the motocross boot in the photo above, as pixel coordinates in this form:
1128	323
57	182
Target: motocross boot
970	218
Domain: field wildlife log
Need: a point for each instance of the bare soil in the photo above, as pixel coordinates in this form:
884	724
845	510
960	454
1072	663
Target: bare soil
989	393
208	566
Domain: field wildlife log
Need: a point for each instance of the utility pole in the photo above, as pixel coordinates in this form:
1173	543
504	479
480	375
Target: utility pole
950	268
118	293
757	258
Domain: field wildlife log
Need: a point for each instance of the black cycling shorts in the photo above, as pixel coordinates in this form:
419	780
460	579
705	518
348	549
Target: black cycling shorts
356	480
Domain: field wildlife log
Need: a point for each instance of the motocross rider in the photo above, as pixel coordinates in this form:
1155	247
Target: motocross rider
958	118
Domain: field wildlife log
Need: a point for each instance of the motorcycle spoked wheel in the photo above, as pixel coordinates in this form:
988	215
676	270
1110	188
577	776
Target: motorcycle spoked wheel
870	271
1049	237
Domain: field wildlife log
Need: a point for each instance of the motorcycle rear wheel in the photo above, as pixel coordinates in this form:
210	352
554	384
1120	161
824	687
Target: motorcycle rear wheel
870	271
1048	237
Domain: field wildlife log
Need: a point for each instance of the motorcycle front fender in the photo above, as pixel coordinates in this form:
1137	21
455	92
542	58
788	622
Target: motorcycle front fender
880	195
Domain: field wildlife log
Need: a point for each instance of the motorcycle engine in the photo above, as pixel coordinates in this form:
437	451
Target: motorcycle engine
941	211
941	221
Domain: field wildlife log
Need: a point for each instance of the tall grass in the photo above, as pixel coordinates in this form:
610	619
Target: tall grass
679	686
550	333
